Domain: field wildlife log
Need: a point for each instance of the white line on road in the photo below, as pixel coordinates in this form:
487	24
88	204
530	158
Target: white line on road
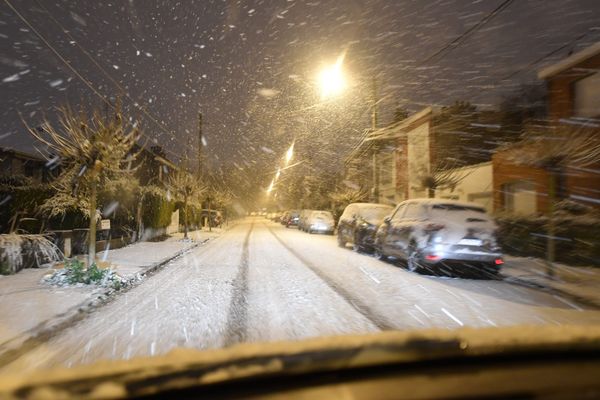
370	276
472	300
452	316
575	306
424	288
132	332
411	313
422	311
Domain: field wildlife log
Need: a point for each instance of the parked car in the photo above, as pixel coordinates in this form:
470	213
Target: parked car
292	218
440	236
302	220
358	224
320	221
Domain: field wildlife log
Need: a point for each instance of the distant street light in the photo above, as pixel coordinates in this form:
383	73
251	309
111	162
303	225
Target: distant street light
270	189
289	154
331	79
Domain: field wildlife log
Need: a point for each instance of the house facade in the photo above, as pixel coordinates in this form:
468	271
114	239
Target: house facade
573	86
401	157
399	154
15	163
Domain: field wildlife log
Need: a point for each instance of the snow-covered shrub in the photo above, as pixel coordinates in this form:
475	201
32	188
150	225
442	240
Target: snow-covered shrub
14	248
577	237
157	211
75	272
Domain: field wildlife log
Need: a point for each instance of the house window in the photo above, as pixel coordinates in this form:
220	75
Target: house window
520	197
587	96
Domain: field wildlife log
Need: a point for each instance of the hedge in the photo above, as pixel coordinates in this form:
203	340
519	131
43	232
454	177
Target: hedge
156	211
577	238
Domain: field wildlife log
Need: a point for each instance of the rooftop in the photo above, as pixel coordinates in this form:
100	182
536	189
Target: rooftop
570	61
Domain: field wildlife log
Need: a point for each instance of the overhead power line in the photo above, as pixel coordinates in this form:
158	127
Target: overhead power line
154	119
457	41
73	70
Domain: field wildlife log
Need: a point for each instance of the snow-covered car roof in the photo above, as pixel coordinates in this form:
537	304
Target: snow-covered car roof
370	205
427	201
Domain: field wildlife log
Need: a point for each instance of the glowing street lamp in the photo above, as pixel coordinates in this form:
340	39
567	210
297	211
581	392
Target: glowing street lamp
331	79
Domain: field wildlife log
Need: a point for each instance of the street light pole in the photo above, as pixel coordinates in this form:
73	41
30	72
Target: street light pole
200	145
375	170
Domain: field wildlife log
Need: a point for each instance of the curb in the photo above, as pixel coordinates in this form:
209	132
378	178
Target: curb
51	327
551	289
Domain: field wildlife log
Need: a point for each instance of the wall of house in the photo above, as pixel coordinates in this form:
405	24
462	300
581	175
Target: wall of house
560	88
476	185
418	157
386	159
401	169
532	183
582	184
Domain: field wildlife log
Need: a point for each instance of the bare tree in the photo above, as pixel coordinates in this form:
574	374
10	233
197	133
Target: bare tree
93	150
346	195
187	189
442	176
554	149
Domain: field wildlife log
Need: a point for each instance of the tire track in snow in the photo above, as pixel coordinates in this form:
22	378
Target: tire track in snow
366	311
237	318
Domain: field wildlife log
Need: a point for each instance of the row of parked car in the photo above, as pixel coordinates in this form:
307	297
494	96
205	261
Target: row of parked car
311	221
427	235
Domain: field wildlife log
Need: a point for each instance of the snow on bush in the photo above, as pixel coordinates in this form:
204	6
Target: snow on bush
75	273
13	247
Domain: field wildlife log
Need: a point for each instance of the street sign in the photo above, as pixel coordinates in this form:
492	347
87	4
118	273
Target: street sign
105	224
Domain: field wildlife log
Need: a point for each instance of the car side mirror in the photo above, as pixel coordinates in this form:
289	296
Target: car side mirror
387	220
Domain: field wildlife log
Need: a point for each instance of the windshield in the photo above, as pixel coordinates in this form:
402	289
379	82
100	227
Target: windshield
374	215
161	163
326	215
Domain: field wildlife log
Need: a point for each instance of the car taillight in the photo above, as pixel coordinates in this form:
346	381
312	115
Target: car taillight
498	261
432	257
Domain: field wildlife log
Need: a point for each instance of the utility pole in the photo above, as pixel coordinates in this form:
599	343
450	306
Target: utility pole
200	145
201	169
375	190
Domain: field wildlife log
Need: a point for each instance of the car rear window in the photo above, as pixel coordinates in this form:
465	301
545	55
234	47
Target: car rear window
375	214
457	207
322	215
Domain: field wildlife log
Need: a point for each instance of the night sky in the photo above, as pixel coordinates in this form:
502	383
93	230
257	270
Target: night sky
249	66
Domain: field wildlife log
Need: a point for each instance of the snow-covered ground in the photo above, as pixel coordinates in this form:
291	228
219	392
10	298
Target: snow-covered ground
30	306
262	282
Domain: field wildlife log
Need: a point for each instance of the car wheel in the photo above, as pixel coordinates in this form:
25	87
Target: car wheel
341	241
310	231
379	254
356	244
412	262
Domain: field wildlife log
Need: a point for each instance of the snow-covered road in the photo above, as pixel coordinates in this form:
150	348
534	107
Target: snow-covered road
262	282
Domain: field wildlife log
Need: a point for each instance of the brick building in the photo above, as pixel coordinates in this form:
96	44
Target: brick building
573	100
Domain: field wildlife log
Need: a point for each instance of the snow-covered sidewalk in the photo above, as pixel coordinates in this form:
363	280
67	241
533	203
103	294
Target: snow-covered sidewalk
582	283
28	306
